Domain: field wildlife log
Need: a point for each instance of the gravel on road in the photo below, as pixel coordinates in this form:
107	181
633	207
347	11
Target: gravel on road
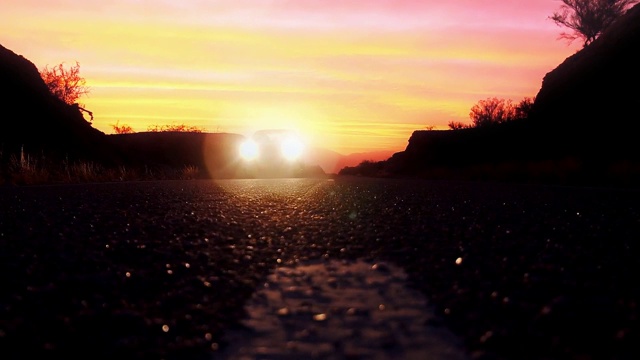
166	269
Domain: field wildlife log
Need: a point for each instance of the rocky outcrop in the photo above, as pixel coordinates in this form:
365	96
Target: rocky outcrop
598	85
590	101
585	115
34	120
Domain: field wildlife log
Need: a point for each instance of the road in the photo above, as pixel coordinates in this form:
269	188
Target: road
164	269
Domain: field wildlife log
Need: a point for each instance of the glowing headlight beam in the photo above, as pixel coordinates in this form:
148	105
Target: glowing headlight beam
249	150
291	149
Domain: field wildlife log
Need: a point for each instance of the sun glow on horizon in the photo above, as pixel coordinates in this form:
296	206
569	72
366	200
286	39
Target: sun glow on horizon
350	75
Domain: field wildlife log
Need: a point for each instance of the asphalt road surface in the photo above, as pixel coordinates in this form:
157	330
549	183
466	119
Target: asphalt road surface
165	269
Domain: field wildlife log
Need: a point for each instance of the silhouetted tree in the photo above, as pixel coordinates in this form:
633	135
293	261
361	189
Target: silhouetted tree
492	111
457	125
523	109
66	84
122	129
588	18
175	127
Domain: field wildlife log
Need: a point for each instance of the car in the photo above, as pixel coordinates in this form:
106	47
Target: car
273	153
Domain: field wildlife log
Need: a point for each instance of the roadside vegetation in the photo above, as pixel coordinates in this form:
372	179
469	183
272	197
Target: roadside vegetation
493	111
173	127
66	84
122	129
28	169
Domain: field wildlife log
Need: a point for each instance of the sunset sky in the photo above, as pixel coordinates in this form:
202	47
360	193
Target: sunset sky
350	75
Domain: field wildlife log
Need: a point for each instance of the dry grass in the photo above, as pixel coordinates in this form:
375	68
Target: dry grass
190	172
25	169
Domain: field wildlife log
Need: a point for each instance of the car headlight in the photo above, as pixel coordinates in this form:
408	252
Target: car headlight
291	148
249	150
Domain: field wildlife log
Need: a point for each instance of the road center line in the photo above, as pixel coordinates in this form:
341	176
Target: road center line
339	309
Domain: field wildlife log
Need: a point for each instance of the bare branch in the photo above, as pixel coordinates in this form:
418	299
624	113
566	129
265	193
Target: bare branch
587	19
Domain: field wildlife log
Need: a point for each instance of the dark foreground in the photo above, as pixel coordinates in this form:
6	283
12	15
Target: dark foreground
162	269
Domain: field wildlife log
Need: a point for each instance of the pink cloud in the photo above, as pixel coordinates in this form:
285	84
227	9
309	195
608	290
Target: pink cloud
397	61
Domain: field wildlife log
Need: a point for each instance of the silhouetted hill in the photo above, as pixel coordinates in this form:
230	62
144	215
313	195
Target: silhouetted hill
332	162
215	153
36	123
33	119
325	158
582	128
354	159
592	98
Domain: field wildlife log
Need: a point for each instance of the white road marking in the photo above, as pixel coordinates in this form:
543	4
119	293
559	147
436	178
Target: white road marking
340	310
